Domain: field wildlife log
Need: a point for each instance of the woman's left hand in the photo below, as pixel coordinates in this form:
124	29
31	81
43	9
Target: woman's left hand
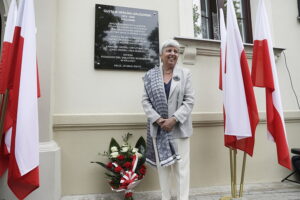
168	124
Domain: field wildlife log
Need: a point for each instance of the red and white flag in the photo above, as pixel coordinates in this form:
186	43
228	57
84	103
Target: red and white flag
240	111
23	169
223	34
5	66
264	74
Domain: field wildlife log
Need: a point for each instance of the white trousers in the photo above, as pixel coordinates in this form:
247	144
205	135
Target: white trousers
181	171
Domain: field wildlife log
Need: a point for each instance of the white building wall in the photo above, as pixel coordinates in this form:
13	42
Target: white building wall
286	30
90	106
81	89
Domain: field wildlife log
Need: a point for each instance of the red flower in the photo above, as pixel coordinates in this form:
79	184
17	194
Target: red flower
109	165
143	170
120	157
127	165
140	177
118	169
128	194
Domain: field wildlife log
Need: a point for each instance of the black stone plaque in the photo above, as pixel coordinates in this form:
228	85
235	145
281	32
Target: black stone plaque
126	38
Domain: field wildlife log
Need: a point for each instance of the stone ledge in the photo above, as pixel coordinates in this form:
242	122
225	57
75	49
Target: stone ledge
192	47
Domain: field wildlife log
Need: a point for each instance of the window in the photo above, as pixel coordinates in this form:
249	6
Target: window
206	18
298	9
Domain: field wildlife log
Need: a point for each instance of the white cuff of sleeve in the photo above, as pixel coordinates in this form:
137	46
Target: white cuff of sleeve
175	118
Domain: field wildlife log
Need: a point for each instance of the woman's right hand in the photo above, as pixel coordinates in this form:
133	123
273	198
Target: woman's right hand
168	124
160	121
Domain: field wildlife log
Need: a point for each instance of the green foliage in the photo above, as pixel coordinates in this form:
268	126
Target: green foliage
113	143
126	138
104	165
141	145
196	15
237	7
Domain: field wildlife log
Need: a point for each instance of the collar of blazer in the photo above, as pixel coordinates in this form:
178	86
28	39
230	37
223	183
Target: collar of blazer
176	81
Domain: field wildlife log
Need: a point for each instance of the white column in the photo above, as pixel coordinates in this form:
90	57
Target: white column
46	22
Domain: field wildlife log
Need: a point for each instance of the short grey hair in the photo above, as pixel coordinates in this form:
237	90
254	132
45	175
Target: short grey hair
169	43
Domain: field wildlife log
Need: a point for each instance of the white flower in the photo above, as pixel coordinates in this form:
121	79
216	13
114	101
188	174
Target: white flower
139	154
114	149
124	148
134	150
125	145
114	154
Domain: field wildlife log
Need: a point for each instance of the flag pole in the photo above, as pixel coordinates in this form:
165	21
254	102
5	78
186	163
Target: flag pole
4	99
234	173
243	175
231	155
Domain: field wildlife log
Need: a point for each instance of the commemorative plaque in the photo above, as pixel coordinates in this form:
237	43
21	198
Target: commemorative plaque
125	38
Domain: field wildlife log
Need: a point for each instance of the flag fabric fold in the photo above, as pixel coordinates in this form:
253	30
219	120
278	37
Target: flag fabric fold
23	167
223	34
240	110
6	58
264	74
5	66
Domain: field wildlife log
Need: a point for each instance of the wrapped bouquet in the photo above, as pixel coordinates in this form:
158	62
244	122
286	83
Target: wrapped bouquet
125	168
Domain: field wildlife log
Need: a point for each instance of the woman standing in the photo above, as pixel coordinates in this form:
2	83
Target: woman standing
168	100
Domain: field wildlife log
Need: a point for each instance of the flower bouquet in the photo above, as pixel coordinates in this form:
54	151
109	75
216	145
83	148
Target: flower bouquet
125	168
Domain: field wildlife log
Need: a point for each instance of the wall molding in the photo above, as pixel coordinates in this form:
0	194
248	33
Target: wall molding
133	121
192	47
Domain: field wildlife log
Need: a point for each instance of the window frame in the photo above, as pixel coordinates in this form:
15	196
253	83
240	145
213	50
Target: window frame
246	18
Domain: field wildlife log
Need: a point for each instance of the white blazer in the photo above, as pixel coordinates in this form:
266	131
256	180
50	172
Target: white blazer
180	104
